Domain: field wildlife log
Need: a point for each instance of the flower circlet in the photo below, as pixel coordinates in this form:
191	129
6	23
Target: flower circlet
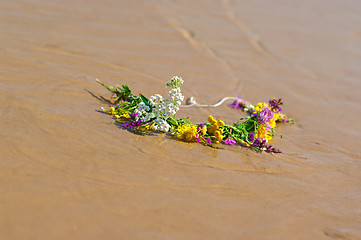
158	113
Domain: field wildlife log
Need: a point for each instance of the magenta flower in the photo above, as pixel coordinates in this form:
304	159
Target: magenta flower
251	137
229	141
133	122
275	105
239	103
200	126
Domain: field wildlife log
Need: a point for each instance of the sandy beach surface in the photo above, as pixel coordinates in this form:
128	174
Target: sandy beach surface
68	172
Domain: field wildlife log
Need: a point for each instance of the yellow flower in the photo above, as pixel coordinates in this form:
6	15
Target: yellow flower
212	128
220	122
121	115
203	131
272	123
145	127
187	133
211	120
276	116
218	136
111	110
259	107
262	133
215	129
125	115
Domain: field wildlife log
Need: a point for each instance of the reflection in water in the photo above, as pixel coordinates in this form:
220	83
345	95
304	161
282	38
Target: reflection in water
211	152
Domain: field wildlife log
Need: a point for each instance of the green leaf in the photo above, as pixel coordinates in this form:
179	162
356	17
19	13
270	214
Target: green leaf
172	121
146	101
106	86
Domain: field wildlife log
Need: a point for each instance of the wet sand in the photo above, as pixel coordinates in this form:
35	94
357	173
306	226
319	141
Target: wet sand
68	172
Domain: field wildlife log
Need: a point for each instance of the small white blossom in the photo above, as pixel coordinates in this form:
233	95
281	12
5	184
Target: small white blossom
141	111
161	125
162	108
175	82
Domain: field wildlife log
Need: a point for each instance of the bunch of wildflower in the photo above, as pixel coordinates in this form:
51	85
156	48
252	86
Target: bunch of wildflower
273	104
157	113
159	109
267	116
255	127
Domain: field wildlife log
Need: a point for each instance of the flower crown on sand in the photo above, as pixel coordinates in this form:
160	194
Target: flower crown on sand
144	115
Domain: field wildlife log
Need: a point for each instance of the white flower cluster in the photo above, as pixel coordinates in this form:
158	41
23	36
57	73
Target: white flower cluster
175	82
142	112
161	125
162	108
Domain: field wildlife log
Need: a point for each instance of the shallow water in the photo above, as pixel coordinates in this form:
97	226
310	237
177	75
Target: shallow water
68	172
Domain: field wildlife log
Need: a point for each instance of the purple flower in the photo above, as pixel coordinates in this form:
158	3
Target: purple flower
133	116
133	122
200	126
256	142
209	141
229	141
275	105
263	116
259	143
239	103
251	137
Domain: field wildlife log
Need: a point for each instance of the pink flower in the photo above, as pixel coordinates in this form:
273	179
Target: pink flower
239	103
263	116
229	141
